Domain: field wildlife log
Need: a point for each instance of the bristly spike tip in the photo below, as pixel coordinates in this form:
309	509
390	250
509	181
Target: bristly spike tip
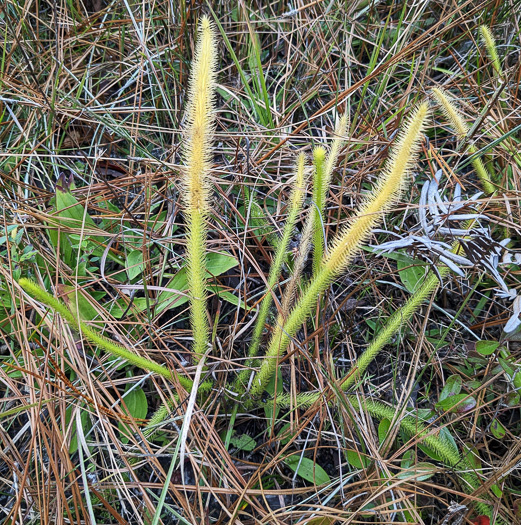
490	44
461	129
197	146
388	189
200	119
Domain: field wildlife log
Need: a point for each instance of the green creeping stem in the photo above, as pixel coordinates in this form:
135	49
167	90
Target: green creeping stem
443	448
393	181
399	318
113	348
393	324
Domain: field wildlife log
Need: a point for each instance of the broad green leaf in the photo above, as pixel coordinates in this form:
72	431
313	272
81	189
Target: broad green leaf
285	434
307	469
395	256
408	459
139	304
322	520
77	302
383	429
109	224
512	399
411	273
9	229
136	407
459	403
486	347
71	214
497	429
420	471
424	414
258	223
497	491
506	366
216	264
452	387
471	455
243	442
357	459
134	264
86	425
512	371
227	296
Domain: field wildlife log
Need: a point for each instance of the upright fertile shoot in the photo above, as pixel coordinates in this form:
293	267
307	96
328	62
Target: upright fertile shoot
490	44
321	181
281	253
346	244
461	129
198	136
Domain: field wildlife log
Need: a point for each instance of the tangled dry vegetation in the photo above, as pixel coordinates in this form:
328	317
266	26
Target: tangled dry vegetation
205	315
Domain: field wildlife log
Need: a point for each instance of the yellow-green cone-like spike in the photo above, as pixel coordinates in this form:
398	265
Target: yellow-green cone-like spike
345	246
321	181
387	191
196	155
490	44
461	129
198	133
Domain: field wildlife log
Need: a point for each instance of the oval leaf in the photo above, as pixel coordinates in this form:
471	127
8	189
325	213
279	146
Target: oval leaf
134	264
452	387
408	460
497	429
307	469
411	274
459	403
420	471
216	264
136	407
357	460
383	429
486	347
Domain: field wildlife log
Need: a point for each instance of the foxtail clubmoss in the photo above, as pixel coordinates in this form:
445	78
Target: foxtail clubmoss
321	181
196	155
344	247
461	129
319	200
429	436
296	199
490	45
